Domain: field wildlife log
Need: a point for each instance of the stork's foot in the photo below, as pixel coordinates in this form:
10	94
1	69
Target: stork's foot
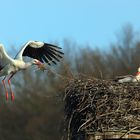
6	96
12	96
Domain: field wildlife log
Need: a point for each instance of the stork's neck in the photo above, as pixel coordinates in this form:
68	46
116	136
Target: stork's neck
28	64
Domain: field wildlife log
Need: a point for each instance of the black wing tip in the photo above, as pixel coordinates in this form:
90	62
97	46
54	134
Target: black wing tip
54	62
50	47
55	46
62	53
52	54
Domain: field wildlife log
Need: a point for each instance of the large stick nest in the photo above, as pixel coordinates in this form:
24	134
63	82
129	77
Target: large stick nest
101	105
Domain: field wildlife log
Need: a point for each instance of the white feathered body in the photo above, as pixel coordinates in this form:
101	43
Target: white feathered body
13	67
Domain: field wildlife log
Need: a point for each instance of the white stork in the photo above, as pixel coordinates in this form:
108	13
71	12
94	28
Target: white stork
129	78
40	52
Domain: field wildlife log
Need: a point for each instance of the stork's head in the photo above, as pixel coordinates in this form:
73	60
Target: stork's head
36	62
41	66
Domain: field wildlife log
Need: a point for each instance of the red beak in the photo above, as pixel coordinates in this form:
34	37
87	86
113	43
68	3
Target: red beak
38	63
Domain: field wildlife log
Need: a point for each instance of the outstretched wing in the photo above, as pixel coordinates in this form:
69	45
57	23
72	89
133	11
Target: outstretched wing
4	57
41	51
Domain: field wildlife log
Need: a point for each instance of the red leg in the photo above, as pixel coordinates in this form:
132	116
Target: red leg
6	91
11	92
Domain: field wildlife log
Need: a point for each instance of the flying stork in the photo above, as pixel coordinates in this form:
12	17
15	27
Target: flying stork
40	53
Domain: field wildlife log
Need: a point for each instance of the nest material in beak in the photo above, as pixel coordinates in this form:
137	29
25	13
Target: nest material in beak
41	67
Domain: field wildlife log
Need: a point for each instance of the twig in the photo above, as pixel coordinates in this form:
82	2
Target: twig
69	125
130	131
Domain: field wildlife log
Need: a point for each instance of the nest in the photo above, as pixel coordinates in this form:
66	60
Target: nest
101	106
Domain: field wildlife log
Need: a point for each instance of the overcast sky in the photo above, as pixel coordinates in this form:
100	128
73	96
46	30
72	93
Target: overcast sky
85	21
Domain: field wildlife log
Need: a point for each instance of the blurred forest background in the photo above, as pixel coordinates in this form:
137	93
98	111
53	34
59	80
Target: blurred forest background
38	110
